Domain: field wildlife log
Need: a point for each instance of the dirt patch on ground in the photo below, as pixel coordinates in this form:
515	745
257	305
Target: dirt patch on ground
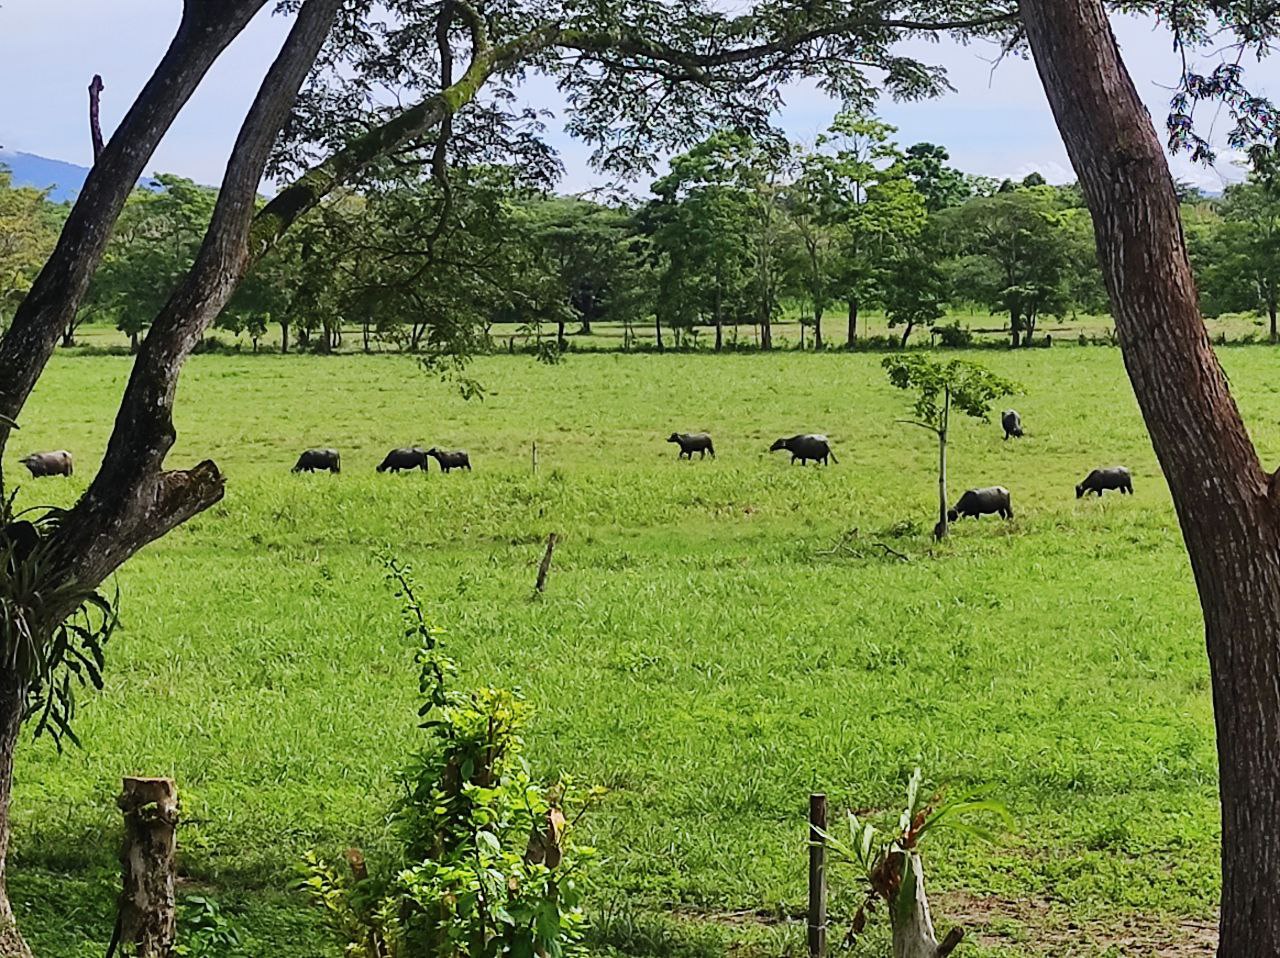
1051	928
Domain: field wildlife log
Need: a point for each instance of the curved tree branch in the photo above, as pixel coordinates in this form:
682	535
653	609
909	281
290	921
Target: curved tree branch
57	292
130	501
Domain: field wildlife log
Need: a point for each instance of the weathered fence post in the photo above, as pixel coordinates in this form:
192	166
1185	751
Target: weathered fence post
545	567
147	920
817	875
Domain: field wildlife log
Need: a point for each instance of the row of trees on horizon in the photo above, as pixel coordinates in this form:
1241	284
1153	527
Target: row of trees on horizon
740	228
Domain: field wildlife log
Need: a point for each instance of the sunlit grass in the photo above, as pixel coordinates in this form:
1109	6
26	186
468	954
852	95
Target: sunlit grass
703	649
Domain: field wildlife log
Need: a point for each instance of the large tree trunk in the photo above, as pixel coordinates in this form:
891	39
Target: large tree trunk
12	706
284	338
50	306
1015	329
1226	505
131	500
853	324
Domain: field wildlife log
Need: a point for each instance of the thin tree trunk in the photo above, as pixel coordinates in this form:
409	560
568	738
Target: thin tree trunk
1271	311
1015	329
940	530
1227	505
657	330
12	706
817	326
906	333
719	311
853	323
284	338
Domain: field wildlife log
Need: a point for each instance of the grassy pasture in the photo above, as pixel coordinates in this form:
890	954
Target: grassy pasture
703	650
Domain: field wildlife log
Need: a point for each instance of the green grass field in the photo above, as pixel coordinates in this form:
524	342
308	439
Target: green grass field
703	650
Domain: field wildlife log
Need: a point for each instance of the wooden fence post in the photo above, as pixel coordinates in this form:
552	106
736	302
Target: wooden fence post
147	920
545	567
535	457
817	875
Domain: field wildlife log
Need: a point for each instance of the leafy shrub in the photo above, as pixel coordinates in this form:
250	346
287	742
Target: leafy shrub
207	931
490	865
953	335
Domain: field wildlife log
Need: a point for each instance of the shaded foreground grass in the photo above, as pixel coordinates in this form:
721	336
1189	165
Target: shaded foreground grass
703	649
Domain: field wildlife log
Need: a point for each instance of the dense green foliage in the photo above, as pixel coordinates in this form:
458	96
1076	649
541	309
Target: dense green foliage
490	863
741	232
717	639
29	224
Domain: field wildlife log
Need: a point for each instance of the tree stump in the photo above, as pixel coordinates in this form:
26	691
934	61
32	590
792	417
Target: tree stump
147	905
913	935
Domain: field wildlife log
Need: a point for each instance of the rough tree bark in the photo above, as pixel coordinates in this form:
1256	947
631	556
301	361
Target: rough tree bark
131	500
13	698
1226	503
147	902
203	33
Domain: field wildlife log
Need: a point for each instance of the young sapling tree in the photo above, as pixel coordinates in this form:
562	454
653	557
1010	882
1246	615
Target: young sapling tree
939	386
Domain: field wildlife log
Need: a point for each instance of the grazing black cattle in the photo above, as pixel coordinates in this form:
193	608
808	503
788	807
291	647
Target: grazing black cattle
982	502
1012	423
49	463
450	460
691	442
806	447
319	460
1098	481
398	459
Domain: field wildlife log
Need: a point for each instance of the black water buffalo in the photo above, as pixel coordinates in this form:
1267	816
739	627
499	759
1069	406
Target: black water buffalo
806	447
982	502
1098	481
691	442
398	459
1012	423
56	463
314	460
456	459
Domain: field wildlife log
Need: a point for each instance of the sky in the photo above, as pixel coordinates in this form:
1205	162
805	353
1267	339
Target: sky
997	123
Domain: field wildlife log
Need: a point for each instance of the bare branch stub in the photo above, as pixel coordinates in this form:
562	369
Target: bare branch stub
95	127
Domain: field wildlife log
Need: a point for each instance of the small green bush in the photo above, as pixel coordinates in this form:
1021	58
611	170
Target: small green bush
490	864
953	336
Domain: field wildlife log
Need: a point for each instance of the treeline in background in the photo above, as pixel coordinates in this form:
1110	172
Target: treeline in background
745	243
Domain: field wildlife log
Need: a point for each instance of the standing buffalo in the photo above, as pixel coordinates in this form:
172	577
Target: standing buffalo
691	442
804	448
319	460
450	460
982	502
398	459
1012	423
49	463
1113	477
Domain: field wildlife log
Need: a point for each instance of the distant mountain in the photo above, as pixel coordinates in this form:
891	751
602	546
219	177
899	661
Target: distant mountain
62	179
